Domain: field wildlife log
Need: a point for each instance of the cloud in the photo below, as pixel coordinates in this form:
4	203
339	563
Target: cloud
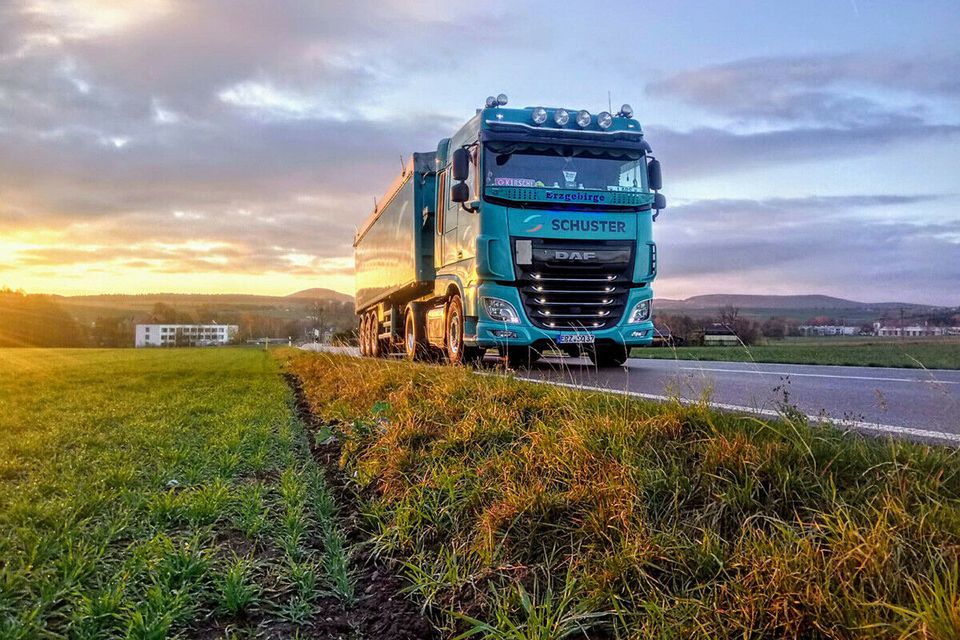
248	138
706	151
789	109
846	245
834	89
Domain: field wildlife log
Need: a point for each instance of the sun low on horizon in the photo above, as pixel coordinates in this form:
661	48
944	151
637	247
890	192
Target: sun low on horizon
160	274
215	147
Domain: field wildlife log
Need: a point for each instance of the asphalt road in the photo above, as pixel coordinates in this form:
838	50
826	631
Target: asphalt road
921	404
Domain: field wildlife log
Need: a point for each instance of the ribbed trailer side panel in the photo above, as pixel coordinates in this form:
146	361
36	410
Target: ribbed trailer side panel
394	249
386	255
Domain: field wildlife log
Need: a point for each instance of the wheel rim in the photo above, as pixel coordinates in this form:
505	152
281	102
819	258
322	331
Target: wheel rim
410	338
454	330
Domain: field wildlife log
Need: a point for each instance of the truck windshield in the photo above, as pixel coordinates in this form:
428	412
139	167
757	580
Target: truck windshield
556	167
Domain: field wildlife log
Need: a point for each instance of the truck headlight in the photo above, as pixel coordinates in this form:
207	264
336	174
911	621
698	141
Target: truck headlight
500	310
640	313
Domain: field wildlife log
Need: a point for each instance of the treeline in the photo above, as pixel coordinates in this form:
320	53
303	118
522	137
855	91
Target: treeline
32	320
683	329
36	321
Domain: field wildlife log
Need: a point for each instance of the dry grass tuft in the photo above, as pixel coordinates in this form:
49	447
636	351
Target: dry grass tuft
669	520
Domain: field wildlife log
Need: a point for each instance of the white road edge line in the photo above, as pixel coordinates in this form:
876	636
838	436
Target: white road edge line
848	424
820	375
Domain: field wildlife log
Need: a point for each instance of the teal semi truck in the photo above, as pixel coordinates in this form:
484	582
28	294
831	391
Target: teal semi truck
527	230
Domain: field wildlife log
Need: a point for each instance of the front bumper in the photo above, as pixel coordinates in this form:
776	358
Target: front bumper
487	333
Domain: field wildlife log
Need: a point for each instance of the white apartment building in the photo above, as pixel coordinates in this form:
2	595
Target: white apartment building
914	331
184	335
827	330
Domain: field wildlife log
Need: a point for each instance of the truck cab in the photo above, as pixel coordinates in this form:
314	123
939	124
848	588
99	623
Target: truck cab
541	222
544	222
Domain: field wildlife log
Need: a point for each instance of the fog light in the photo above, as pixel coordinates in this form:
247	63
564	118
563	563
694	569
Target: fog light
640	313
500	310
501	333
638	334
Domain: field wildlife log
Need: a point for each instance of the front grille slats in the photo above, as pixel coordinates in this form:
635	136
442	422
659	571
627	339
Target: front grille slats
576	294
605	291
542	278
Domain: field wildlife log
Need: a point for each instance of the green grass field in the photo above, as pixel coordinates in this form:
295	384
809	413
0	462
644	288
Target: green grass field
177	493
525	511
869	352
147	494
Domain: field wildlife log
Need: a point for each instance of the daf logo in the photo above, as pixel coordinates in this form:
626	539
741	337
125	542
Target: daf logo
574	255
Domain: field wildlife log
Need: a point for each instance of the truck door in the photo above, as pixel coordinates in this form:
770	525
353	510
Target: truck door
450	245
468	223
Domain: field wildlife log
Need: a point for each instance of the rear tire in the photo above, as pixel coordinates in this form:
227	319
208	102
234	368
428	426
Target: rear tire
362	336
376	348
414	341
457	351
608	355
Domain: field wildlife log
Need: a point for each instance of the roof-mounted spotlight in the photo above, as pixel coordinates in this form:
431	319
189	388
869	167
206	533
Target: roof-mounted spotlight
604	120
539	115
626	111
491	102
583	118
561	117
502	99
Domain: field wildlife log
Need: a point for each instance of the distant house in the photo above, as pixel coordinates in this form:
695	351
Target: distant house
184	335
914	331
717	335
827	330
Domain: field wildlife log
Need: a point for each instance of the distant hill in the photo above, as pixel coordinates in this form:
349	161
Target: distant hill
718	300
87	308
796	307
321	293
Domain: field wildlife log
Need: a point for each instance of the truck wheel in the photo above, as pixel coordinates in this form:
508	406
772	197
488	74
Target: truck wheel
376	349
519	357
457	352
414	344
608	356
362	336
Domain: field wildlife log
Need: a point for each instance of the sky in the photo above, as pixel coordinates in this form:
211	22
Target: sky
233	146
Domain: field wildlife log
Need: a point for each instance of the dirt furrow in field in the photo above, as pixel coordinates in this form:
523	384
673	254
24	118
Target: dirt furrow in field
380	609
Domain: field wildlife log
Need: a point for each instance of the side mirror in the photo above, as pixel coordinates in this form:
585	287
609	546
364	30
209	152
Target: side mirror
460	192
654	179
461	164
659	203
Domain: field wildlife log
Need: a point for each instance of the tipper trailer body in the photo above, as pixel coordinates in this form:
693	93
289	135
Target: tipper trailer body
527	230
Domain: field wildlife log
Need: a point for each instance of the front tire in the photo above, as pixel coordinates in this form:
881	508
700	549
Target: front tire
520	357
457	351
608	355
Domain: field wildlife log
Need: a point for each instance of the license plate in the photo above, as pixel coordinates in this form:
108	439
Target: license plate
575	338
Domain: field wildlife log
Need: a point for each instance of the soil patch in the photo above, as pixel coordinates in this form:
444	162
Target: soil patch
380	610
